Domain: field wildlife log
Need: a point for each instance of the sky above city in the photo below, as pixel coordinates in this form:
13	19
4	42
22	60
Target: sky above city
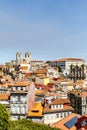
48	29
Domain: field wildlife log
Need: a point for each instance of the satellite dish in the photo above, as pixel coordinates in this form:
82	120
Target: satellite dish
66	72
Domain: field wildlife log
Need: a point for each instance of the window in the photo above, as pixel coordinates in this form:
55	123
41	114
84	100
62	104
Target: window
21	88
60	106
16	88
61	115
18	109
18	98
68	113
51	116
64	114
52	107
56	106
83	102
13	88
83	98
46	117
57	115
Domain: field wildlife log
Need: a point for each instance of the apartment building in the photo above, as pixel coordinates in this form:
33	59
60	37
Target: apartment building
78	101
65	63
73	68
22	98
57	110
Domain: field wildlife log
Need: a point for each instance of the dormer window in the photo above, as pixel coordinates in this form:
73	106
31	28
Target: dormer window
52	106
56	106
13	88
19	88
59	106
24	88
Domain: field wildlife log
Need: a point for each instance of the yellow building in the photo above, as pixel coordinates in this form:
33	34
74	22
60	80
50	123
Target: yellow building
46	80
42	80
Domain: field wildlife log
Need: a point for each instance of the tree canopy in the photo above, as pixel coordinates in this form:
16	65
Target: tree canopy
25	124
4	118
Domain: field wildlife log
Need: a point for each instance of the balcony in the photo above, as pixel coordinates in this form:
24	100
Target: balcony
18	102
18	91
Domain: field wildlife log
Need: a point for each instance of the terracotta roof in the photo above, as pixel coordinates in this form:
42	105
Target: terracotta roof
65	102
20	83
60	101
24	67
2	66
41	71
4	96
36	61
40	92
48	109
68	59
60	124
79	93
52	94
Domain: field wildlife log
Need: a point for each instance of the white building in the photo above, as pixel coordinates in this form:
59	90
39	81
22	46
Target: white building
57	110
52	72
22	98
65	63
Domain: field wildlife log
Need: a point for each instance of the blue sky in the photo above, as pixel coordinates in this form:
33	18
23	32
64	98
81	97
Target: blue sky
49	29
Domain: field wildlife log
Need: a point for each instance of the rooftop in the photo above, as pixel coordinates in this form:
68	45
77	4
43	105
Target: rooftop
65	102
60	124
68	59
36	111
4	96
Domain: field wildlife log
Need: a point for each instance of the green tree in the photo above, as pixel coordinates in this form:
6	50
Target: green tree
4	118
25	124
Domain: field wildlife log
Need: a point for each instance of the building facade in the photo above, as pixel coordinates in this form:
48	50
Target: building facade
57	110
73	68
78	101
22	98
20	59
77	72
65	63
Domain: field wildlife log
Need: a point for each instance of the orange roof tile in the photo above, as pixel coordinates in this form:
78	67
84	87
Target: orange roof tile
20	83
36	61
60	101
24	67
4	96
68	59
79	93
39	92
37	110
56	102
48	109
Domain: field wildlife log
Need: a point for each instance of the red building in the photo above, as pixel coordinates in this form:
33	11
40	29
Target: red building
82	122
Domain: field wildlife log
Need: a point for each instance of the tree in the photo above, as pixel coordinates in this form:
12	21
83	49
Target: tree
25	124
4	118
